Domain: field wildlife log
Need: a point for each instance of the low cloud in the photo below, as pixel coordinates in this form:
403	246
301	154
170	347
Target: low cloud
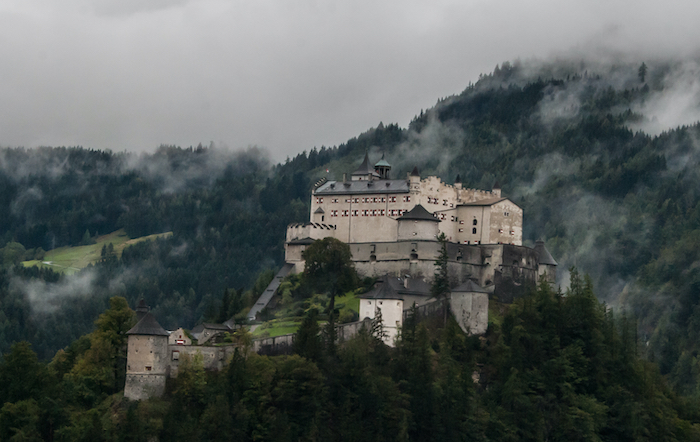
46	297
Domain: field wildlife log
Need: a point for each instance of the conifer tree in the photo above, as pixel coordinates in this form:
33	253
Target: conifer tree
378	331
441	281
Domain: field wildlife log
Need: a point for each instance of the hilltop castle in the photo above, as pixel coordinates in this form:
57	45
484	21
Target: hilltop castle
392	227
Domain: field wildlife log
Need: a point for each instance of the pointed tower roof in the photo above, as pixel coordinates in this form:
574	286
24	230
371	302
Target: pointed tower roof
418	213
148	326
496	185
414	172
469	287
458	179
365	168
543	254
382	163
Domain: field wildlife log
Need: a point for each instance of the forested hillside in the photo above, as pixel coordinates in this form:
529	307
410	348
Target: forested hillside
589	151
554	366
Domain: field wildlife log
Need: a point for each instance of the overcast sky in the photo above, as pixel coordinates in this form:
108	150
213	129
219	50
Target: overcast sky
285	75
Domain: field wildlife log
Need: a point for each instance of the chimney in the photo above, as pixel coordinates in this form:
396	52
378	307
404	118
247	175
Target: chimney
345	178
405	281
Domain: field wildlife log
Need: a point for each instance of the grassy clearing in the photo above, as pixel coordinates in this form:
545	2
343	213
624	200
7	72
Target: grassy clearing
349	300
279	327
69	260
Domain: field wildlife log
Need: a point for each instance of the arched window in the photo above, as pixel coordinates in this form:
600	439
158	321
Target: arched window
474	222
474	230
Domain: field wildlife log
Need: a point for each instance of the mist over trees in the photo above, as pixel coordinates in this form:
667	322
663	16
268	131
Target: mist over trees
575	143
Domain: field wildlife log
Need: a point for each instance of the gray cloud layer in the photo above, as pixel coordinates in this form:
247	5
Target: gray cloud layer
286	75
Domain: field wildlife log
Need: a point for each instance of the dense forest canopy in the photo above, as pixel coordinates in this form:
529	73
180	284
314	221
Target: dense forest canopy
602	163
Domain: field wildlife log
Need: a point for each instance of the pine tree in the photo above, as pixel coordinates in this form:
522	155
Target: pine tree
642	73
441	281
378	331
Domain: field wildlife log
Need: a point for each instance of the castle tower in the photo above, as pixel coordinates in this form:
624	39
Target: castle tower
414	181
365	172
496	189
382	168
146	359
418	224
546	264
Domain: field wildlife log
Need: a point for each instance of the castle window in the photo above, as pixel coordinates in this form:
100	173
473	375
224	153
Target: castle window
392	199
334	213
474	230
357	200
373	258
500	230
323	218
148	368
383	199
355	212
382	212
348	200
444	202
452	205
461	222
335	200
407	199
512	232
461	230
319	199
506	214
474	222
414	257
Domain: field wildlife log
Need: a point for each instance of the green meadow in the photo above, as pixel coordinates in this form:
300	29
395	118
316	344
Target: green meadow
69	260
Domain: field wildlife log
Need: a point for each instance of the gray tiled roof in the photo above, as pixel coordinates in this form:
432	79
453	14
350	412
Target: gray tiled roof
148	326
363	187
390	287
543	255
365	168
418	213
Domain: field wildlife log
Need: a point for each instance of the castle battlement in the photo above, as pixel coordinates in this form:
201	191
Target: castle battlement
374	211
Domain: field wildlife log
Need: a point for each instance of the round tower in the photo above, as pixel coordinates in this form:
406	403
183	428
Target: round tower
418	224
147	361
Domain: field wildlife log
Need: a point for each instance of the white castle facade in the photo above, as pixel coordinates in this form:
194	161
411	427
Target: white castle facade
392	228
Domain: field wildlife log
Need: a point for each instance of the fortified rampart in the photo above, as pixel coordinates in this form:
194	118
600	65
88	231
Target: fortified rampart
392	228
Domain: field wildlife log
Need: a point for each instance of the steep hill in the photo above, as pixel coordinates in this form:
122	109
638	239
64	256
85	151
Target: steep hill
597	155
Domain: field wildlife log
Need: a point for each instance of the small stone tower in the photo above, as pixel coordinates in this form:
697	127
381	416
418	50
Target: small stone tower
147	361
546	264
